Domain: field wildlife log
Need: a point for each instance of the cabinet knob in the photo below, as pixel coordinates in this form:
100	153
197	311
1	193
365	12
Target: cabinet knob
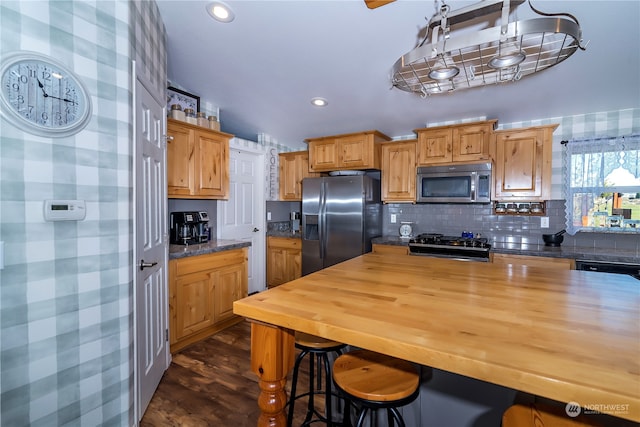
255	229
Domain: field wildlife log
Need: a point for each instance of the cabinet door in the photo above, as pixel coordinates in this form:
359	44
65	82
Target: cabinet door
534	261
193	304
212	165
228	284
293	266
284	260
355	151
293	168
180	158
435	146
523	165
323	155
471	142
399	171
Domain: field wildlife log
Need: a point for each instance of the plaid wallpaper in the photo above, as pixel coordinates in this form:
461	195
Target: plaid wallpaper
65	290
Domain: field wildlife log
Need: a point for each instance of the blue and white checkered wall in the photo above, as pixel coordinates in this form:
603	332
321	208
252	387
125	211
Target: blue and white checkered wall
66	287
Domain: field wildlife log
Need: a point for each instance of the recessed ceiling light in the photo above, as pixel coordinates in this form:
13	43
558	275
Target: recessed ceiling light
319	102
220	11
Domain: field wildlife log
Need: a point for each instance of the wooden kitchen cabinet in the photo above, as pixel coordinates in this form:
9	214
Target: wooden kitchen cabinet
398	171
202	290
344	152
293	167
284	260
522	169
534	261
455	143
197	162
383	249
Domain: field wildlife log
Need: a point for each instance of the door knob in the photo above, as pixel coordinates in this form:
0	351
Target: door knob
143	264
255	229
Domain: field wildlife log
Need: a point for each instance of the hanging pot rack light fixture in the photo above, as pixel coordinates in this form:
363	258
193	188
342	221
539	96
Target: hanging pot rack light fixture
499	54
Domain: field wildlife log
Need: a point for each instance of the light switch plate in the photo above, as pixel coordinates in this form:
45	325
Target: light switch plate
544	222
393	218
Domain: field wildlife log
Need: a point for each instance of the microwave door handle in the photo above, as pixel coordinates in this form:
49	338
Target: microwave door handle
474	178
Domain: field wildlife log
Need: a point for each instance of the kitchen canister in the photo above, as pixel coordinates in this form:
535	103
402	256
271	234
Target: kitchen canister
176	112
190	116
202	119
214	123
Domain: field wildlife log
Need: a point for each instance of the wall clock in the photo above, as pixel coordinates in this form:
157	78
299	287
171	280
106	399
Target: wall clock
405	230
42	96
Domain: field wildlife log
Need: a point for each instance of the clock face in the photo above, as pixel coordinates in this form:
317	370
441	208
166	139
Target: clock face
405	230
42	96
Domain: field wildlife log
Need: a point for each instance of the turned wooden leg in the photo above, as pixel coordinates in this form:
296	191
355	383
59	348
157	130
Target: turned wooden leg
272	357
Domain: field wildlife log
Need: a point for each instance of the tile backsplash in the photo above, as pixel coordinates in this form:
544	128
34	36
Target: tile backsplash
453	219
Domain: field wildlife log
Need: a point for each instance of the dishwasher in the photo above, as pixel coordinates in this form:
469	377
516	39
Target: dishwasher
632	270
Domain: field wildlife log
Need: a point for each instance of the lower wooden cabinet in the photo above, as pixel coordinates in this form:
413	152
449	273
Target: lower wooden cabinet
284	260
389	249
202	290
534	261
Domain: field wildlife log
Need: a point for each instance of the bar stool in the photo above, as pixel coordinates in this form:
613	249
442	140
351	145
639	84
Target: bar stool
537	414
318	350
375	381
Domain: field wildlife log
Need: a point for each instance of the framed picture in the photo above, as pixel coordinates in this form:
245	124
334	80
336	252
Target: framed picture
182	98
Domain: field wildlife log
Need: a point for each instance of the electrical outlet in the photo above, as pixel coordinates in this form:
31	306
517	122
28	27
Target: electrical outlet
544	222
268	216
393	218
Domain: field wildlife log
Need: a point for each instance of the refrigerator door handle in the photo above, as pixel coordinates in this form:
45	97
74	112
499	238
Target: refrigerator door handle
322	218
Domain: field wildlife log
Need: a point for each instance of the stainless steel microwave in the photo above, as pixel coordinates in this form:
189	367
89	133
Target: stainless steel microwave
466	183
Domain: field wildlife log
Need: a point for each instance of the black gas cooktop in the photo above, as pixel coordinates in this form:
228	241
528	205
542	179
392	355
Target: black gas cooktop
432	244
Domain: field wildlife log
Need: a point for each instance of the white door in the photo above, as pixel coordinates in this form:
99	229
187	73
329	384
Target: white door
150	252
242	216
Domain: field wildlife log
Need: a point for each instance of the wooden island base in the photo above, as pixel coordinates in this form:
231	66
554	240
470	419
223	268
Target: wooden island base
270	344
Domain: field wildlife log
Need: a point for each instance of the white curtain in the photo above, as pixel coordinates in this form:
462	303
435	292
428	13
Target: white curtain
596	171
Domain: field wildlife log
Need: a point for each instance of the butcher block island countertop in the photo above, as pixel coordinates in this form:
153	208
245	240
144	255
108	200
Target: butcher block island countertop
571	336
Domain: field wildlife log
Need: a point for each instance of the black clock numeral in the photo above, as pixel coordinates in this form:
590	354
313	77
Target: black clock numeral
15	87
32	73
45	116
23	78
46	75
20	99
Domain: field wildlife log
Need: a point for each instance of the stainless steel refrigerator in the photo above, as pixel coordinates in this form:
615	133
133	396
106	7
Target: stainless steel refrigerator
340	216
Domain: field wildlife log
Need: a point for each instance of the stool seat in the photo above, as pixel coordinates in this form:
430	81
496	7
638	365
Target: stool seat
374	376
313	341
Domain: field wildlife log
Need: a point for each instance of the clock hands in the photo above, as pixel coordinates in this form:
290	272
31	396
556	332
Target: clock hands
61	99
42	87
46	95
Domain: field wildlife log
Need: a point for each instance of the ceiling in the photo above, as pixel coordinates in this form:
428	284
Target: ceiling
262	69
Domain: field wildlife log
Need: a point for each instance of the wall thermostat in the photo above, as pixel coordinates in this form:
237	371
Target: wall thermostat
64	210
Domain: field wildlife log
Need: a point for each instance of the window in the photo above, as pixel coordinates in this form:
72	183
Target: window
602	184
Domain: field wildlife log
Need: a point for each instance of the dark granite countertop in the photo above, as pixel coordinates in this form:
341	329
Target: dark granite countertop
181	251
284	233
578	253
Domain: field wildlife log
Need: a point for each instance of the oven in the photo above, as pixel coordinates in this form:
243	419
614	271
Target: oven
452	247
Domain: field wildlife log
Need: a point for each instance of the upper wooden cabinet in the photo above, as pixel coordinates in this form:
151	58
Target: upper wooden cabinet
293	167
197	162
349	151
523	163
455	143
398	172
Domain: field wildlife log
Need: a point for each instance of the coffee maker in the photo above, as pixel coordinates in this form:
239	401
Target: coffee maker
188	228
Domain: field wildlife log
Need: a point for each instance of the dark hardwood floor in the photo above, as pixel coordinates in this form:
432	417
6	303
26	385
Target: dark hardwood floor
210	383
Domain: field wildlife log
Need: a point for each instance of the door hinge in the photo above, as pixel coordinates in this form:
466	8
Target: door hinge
166	335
